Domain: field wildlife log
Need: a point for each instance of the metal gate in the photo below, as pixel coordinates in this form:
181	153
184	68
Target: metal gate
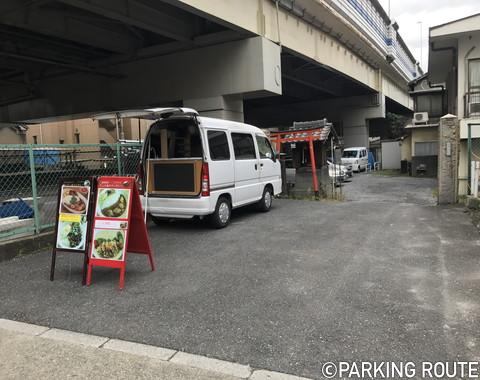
473	158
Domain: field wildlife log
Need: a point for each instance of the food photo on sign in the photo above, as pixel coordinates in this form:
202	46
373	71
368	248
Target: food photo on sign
109	240
113	203
72	218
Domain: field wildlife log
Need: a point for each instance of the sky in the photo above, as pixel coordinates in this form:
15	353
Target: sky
408	14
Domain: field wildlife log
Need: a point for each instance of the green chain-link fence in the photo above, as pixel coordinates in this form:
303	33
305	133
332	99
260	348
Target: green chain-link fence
29	176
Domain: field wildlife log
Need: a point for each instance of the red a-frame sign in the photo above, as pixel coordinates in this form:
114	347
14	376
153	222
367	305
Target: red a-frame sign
118	226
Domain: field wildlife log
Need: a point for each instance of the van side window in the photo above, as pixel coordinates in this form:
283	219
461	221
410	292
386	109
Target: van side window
264	147
218	145
243	146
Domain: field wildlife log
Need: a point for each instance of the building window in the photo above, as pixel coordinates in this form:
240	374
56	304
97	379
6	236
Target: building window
61	141
77	138
474	75
431	103
35	139
426	148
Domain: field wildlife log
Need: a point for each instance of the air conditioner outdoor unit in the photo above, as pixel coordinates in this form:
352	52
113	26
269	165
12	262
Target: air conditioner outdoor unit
474	108
420	117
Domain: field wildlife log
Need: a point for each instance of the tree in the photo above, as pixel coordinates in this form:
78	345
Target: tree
396	125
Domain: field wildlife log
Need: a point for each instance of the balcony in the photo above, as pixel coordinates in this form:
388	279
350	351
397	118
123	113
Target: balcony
472	104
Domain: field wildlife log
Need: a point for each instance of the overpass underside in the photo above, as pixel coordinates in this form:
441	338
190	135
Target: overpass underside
72	58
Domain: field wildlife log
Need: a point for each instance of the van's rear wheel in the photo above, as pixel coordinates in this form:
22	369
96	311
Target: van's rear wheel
265	204
222	214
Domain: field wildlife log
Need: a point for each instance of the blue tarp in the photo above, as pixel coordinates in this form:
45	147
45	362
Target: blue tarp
44	157
16	208
371	160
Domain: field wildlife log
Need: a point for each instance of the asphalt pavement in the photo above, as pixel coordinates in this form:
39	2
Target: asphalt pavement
385	275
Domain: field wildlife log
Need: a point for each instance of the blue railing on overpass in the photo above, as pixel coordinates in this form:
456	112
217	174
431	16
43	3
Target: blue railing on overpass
367	17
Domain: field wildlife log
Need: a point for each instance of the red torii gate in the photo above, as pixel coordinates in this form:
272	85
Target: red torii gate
304	135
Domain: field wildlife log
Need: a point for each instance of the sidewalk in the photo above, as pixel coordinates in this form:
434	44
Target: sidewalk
37	352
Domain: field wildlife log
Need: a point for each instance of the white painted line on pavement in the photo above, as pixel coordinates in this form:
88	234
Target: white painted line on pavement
21	327
215	365
139	349
262	374
75	337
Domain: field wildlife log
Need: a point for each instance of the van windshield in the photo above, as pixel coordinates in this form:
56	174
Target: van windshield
175	138
350	153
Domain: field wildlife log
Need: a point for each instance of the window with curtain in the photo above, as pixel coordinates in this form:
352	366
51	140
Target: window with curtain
474	75
431	103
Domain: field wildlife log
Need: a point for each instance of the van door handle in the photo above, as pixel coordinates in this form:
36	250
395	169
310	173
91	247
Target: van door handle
256	166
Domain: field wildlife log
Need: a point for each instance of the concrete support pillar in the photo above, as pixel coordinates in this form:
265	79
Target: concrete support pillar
356	135
448	156
221	107
356	112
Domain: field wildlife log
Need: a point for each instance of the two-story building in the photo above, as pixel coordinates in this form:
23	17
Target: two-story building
420	146
454	63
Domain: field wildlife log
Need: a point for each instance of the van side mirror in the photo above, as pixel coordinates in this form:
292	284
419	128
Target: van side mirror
274	156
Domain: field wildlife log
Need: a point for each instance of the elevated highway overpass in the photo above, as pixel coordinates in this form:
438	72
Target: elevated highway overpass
266	62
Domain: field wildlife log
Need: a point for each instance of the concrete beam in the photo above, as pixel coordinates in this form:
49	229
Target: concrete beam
71	27
246	68
306	40
141	15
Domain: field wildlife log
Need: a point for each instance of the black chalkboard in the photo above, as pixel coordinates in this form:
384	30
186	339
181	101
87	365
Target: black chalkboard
174	177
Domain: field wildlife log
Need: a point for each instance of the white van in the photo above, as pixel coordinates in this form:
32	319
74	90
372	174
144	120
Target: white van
199	166
357	157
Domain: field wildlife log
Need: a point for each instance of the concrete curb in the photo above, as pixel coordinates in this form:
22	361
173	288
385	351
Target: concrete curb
152	352
26	245
214	365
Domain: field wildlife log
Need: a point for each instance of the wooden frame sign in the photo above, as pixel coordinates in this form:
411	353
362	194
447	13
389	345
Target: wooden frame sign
163	178
74	215
118	226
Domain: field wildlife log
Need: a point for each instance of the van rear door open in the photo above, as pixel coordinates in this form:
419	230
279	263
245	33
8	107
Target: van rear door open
173	157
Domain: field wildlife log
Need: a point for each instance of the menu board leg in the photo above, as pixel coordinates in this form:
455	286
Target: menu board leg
85	265
89	274
52	266
121	283
152	263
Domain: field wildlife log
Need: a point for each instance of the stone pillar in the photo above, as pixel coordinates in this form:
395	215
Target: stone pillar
448	157
221	107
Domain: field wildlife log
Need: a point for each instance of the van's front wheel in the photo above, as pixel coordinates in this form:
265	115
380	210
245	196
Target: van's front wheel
265	203
222	214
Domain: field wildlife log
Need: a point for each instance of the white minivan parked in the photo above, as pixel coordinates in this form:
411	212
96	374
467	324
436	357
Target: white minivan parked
357	157
200	166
